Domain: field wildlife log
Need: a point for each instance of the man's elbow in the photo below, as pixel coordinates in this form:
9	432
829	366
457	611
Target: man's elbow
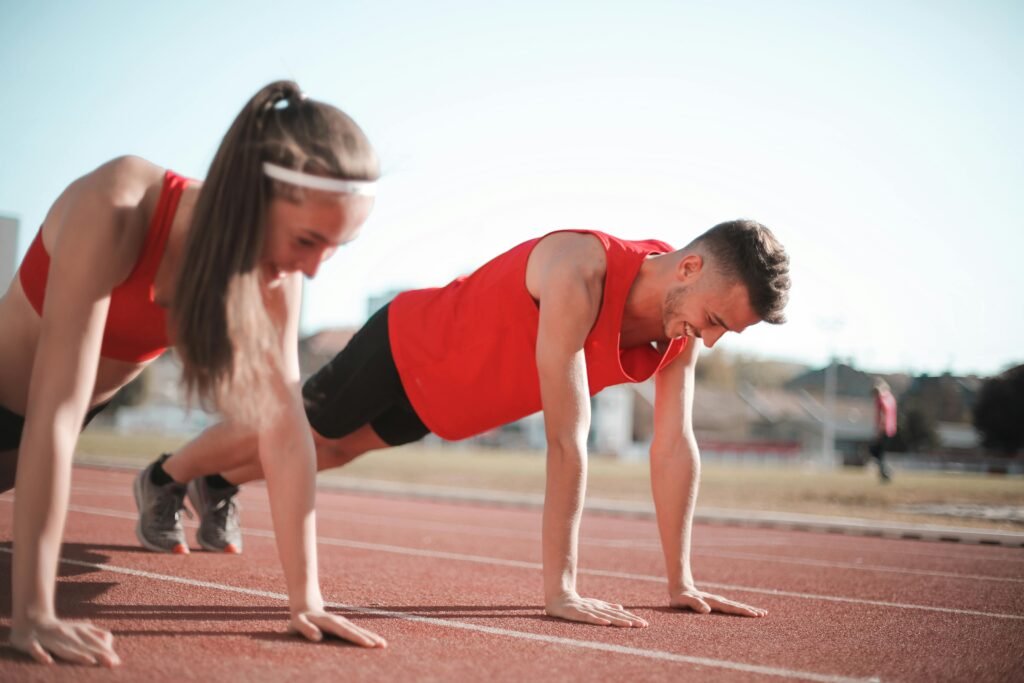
683	446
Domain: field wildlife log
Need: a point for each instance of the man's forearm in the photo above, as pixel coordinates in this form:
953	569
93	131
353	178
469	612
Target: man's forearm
563	506
675	476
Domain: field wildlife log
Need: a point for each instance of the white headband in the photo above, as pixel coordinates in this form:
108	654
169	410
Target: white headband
366	188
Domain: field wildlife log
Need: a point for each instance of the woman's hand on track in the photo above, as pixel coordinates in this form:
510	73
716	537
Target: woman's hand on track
592	611
313	624
78	642
705	603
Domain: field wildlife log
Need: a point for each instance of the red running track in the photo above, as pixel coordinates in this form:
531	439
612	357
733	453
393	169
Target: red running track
455	588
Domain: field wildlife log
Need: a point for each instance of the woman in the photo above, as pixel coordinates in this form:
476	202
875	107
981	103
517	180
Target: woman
131	258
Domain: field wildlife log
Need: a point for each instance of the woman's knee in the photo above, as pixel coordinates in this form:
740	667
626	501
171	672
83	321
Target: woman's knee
8	469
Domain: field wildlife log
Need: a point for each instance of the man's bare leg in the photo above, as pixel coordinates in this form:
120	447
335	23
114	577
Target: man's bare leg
329	453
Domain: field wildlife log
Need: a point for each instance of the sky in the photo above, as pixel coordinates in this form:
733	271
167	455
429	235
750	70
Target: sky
880	140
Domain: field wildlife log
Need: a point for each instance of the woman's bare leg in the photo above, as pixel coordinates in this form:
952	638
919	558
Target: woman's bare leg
222	447
8	469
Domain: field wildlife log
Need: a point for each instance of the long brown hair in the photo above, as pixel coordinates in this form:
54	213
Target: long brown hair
228	344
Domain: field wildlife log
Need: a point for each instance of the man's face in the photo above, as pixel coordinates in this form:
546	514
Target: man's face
705	305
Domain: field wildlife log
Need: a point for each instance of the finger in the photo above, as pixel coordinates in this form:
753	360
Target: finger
377	640
305	628
738	608
72	653
36	651
105	636
609	616
99	647
620	613
346	630
622	618
694	603
587	616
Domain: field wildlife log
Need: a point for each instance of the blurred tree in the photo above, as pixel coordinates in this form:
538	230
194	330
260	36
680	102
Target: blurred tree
916	428
999	411
723	370
767	374
716	368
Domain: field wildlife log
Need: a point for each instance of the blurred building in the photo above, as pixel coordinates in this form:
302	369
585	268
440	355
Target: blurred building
750	411
376	301
8	249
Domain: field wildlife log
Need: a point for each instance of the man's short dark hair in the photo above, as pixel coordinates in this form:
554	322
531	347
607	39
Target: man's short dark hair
747	251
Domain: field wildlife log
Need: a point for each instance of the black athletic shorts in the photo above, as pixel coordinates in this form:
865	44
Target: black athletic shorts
361	386
11	427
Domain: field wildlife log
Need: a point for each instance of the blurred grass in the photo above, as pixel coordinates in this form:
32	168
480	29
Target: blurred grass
843	492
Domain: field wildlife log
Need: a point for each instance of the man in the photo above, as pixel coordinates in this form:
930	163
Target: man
885	427
542	326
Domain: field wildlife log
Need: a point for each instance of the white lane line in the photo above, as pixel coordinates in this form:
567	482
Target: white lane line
490	531
854	545
699	550
470	529
325	512
521	564
856	566
660	655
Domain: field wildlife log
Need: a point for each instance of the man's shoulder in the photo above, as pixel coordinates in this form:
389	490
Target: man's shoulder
581	251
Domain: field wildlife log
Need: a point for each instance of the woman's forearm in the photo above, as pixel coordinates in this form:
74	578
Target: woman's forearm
289	465
41	495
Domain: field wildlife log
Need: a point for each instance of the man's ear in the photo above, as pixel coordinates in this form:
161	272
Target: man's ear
689	268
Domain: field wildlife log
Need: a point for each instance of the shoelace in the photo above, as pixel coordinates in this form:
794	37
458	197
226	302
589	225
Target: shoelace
223	511
170	504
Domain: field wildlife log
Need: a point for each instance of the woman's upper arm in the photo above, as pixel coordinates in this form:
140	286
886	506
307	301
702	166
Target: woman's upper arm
91	251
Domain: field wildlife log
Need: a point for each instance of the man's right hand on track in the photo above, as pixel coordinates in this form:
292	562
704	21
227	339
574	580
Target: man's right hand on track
592	611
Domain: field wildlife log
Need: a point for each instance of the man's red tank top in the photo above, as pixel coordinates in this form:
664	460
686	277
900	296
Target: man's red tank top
466	353
136	329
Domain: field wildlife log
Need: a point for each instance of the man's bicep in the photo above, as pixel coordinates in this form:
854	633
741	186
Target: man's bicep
565	320
673	402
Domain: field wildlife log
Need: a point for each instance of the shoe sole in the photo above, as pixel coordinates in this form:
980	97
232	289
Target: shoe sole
180	549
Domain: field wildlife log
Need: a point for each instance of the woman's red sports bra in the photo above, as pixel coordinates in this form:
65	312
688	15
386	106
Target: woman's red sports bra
136	329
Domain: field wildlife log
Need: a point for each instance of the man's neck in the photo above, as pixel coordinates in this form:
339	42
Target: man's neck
642	318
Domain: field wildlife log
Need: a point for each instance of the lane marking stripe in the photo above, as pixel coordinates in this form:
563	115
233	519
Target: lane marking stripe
521	564
491	630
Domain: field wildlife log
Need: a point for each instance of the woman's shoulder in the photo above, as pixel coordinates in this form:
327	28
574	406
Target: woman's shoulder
108	208
124	181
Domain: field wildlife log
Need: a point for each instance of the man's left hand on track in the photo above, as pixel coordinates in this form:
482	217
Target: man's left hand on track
705	603
313	624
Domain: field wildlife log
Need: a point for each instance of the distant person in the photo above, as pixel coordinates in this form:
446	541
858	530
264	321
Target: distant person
543	326
133	257
885	427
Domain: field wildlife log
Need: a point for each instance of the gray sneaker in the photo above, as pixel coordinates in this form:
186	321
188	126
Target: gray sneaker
219	530
159	528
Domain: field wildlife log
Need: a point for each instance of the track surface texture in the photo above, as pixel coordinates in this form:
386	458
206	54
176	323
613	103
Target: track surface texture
456	590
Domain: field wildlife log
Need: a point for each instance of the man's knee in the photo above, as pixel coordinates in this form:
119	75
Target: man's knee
332	452
337	452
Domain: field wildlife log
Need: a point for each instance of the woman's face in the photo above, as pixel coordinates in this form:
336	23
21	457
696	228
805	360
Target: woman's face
301	235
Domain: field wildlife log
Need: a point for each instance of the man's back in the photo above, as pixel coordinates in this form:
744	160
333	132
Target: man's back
466	352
